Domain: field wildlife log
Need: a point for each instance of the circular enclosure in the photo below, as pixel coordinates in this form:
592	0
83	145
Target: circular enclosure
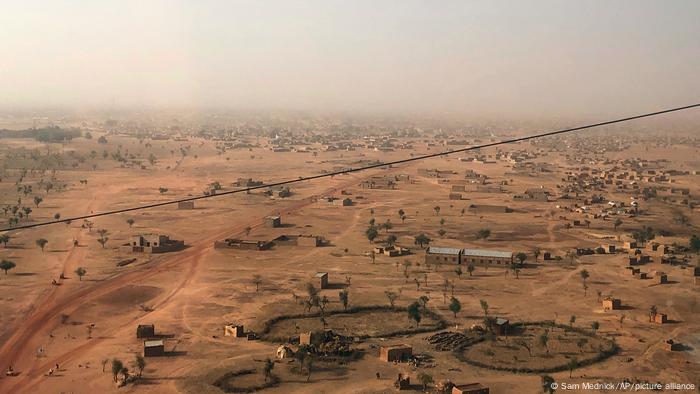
538	347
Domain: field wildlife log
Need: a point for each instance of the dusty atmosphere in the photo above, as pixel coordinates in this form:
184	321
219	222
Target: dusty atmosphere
226	197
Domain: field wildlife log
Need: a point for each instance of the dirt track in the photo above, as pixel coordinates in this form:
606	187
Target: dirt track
28	336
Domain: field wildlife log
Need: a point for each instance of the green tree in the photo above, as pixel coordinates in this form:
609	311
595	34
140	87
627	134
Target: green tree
37	200
140	363
483	233
7	265
422	240
414	312
371	233
521	256
455	306
117	366
595	326
391	239
484	307
617	223
130	222
584	275
694	244
41	242
80	271
470	269
4	238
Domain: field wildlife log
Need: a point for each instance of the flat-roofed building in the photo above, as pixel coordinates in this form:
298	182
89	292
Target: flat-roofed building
486	257
438	255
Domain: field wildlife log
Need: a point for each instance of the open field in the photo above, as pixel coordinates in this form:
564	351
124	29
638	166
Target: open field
190	294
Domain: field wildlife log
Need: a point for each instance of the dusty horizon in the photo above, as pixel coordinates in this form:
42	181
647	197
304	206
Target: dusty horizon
465	59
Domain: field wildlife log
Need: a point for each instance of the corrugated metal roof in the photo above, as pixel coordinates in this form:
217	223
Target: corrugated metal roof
153	343
439	250
487	253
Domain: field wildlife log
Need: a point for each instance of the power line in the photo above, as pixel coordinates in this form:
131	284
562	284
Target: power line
358	169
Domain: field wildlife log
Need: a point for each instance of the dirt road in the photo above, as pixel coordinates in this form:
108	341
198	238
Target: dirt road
31	333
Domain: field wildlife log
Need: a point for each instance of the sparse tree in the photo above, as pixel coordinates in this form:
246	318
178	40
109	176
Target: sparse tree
584	275
104	364
458	271
7	265
391	239
422	240
572	320
117	367
694	244
4	238
391	296
573	364
344	297
544	340
425	379
41	242
140	363
414	312
257	281
484	307
595	326
371	233
483	233
80	271
617	223
470	269
130	222
455	306
521	256
436	209
38	200
536	253
580	343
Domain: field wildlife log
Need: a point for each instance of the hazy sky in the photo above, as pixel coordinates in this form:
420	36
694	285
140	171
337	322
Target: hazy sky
519	57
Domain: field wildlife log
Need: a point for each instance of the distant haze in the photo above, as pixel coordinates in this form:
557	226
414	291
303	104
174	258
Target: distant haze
473	57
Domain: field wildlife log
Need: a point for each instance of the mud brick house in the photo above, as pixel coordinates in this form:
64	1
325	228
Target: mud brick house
299	240
437	255
230	243
660	318
145	331
234	330
610	303
322	278
484	209
471	388
152	243
392	353
153	348
273	221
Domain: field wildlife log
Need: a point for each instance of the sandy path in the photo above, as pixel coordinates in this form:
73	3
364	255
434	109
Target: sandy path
43	319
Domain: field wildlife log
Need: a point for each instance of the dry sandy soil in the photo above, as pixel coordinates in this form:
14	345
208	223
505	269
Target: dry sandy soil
189	295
